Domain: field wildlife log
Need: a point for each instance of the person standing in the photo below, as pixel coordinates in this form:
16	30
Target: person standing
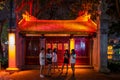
54	59
42	62
66	60
49	60
73	60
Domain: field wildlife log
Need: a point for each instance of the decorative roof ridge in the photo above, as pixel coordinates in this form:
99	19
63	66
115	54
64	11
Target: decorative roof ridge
28	17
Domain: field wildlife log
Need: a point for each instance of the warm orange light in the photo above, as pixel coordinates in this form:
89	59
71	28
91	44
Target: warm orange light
11	38
110	47
12	52
72	44
110	50
84	17
28	17
14	69
109	56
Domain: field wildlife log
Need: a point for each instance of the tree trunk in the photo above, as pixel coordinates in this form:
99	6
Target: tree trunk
118	7
1	48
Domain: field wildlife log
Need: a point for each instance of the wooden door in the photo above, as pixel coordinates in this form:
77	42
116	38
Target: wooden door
82	51
32	50
61	43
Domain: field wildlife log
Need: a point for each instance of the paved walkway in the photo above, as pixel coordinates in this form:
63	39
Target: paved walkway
80	74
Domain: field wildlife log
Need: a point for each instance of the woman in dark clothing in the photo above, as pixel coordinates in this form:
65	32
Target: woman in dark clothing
66	60
49	60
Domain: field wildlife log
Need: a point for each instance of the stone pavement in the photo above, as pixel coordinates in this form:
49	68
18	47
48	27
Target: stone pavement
80	74
4	75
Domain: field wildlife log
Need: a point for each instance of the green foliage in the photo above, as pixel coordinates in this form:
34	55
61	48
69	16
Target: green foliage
113	9
114	66
4	33
114	29
2	4
4	62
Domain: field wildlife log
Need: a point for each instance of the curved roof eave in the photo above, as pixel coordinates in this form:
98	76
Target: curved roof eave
57	26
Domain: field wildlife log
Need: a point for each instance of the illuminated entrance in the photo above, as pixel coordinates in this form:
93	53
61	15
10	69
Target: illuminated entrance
61	43
81	46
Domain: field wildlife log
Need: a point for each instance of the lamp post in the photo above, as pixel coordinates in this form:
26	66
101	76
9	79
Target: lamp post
12	43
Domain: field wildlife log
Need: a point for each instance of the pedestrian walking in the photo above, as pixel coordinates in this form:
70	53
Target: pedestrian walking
54	59
66	60
42	62
73	60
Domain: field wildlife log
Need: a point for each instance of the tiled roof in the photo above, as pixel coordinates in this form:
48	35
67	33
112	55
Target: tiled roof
57	26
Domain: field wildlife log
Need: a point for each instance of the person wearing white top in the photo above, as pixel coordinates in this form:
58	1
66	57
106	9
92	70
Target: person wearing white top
73	60
42	61
54	56
54	59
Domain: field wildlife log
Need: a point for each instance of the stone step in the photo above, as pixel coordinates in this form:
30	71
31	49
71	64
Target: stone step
28	67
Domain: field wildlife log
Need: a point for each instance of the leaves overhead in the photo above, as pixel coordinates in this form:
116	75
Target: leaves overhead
113	9
114	29
114	12
59	9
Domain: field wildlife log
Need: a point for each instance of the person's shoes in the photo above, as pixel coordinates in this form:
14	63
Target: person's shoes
41	76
